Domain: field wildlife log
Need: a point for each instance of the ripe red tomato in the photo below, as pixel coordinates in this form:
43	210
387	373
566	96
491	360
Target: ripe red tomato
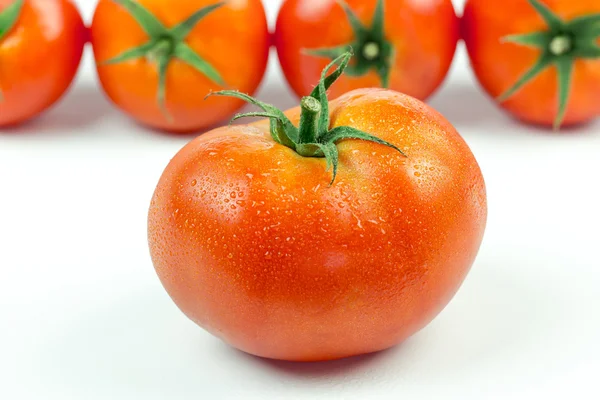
41	42
404	45
158	59
540	59
254	244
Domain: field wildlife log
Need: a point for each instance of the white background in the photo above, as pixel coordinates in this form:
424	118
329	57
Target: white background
83	316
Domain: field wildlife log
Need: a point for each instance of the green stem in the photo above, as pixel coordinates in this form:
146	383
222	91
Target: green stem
313	137
163	48
374	52
309	119
560	45
164	44
371	51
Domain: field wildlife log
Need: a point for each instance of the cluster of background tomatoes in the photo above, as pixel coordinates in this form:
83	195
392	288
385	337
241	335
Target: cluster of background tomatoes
158	59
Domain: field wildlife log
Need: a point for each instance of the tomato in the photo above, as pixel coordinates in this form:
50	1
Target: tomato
404	45
541	60
41	43
158	59
255	243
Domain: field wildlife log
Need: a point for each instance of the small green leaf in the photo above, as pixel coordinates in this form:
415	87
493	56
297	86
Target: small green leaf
347	132
360	31
564	67
309	150
324	116
151	25
189	56
131	54
384	70
320	92
359	68
334	76
553	21
587	50
183	29
378	25
329	52
253	114
282	129
332	156
544	61
584	25
9	17
534	39
163	65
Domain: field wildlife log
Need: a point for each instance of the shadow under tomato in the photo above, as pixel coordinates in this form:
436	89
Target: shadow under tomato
320	369
82	106
465	104
139	344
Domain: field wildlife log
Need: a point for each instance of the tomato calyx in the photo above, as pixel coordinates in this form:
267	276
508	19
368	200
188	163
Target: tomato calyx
164	44
561	45
8	19
373	50
313	136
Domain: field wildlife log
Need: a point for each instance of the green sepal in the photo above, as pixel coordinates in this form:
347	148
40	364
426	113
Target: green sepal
323	125
282	129
534	39
347	132
320	92
587	50
332	156
587	25
252	115
164	44
312	138
551	19
130	54
328	52
186	54
149	23
183	29
531	73
9	17
364	36
384	68
360	31
163	65
378	23
561	45
564	68
334	76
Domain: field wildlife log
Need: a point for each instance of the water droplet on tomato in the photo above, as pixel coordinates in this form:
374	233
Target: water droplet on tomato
194	182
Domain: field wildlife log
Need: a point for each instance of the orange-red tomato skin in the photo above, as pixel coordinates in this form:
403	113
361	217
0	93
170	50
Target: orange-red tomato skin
498	65
39	58
424	35
234	39
252	243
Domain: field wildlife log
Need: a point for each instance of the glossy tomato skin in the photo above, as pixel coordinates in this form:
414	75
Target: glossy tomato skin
234	39
424	35
39	57
499	65
252	243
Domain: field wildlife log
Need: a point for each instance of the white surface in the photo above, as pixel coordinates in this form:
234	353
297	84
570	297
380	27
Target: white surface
83	315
